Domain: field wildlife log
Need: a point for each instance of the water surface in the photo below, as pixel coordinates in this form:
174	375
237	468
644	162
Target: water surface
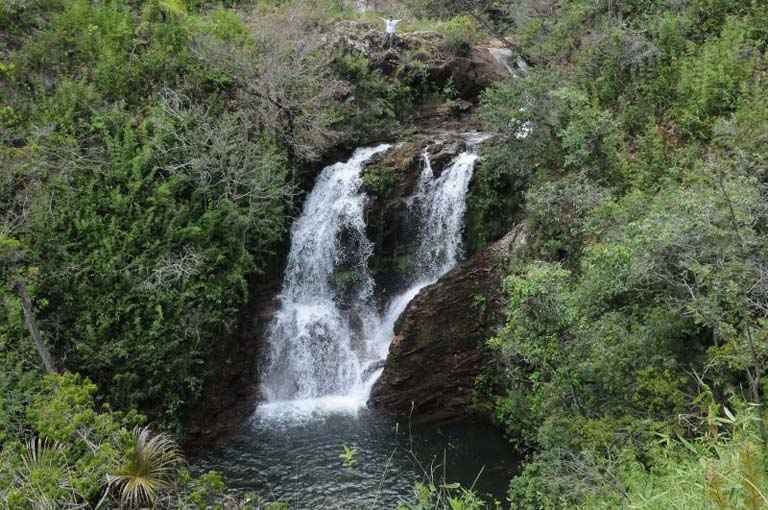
297	460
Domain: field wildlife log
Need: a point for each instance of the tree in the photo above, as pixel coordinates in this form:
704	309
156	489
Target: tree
15	270
286	77
34	329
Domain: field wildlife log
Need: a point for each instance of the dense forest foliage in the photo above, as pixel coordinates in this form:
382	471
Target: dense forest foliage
632	363
152	154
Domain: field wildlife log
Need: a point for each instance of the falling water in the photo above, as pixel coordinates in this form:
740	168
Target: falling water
326	347
439	205
326	343
317	341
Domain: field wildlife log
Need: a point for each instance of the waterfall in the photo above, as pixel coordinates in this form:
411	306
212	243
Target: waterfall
439	205
327	342
316	339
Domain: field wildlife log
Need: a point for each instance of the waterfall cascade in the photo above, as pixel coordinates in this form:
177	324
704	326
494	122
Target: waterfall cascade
438	205
325	344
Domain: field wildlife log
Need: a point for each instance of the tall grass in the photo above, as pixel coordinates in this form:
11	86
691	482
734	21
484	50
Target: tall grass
723	471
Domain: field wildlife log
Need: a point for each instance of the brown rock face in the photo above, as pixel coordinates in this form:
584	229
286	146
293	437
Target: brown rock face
439	344
473	73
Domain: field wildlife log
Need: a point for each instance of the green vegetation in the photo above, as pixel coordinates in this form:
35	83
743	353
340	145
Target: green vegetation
152	154
636	322
349	457
79	454
444	496
152	151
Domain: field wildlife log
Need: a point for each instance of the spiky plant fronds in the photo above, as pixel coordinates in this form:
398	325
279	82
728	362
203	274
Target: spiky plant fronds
149	468
173	7
43	477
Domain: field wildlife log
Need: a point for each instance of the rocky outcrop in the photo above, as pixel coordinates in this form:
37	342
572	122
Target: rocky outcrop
439	344
469	72
473	73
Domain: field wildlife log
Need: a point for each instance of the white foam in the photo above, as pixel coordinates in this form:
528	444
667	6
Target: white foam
320	365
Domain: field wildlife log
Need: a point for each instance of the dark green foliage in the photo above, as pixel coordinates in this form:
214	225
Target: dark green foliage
377	100
140	218
558	211
640	301
152	150
461	32
72	450
157	249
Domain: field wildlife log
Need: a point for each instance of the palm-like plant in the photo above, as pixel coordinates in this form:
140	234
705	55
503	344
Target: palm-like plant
149	468
43	477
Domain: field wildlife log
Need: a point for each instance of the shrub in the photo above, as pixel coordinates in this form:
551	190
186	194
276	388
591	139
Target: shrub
461	33
712	77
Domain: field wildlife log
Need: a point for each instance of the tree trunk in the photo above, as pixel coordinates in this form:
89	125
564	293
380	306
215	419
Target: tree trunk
34	330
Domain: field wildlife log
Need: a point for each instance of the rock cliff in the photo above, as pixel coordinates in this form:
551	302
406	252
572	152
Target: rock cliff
438	349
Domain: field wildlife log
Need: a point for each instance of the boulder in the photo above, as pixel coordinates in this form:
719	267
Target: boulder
439	345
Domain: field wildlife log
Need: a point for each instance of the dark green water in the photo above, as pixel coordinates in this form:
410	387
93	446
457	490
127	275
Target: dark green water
296	460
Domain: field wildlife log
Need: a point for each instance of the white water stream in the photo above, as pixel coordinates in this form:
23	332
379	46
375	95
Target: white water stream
324	347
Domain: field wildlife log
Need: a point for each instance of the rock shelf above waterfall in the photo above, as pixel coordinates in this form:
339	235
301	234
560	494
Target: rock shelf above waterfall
469	73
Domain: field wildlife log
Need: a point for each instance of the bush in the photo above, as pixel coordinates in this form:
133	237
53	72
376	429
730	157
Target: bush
190	206
712	78
557	214
461	33
72	446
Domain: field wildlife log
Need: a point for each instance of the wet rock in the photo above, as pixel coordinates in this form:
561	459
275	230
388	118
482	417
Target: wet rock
372	368
439	345
232	392
389	181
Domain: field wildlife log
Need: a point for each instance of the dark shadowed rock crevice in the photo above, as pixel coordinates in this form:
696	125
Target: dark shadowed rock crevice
232	389
439	345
